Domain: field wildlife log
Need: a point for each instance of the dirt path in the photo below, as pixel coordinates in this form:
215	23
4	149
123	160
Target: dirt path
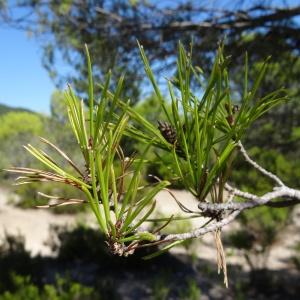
34	225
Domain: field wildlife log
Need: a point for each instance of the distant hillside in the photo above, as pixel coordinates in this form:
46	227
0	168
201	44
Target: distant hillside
6	109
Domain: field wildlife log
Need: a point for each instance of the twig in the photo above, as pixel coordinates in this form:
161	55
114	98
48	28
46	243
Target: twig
200	231
233	208
265	200
258	167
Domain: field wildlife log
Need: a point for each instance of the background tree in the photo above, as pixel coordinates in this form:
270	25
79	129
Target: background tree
111	28
17	129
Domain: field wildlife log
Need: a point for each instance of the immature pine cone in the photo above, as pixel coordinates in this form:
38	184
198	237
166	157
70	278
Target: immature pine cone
167	131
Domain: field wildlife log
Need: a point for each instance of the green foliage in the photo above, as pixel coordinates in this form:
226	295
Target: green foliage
151	110
192	291
82	252
207	128
240	293
78	248
161	287
16	124
280	124
241	239
29	197
200	134
63	289
159	162
4	109
16	129
250	180
58	107
21	127
286	166
103	180
15	259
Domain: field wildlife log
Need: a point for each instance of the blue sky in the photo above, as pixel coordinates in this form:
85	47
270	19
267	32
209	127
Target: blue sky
23	80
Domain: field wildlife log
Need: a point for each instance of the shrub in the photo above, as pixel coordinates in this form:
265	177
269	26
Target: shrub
63	289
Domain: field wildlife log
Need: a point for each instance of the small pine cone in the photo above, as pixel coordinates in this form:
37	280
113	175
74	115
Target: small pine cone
230	120
167	131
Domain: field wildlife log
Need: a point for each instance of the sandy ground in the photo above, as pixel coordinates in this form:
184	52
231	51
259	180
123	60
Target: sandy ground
280	253
34	225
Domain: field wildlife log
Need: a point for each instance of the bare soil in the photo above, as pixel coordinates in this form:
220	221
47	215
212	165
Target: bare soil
34	225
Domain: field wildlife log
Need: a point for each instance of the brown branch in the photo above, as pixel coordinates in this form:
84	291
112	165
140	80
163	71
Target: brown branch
237	23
